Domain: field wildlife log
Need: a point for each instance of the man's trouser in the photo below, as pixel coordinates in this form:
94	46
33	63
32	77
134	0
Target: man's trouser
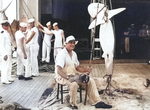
33	50
46	49
92	92
21	62
127	44
6	69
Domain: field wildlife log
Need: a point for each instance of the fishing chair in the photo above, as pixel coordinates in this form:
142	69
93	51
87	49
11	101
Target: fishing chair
66	91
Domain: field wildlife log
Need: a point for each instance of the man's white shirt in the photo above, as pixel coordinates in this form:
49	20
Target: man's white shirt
19	35
58	37
34	40
5	42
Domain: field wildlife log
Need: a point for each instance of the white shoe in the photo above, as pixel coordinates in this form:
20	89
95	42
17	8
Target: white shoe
47	61
6	82
11	80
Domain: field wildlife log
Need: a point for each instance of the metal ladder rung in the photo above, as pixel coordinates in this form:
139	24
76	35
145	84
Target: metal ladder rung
96	40
97	48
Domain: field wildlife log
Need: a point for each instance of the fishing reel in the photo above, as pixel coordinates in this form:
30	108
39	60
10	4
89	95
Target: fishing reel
84	78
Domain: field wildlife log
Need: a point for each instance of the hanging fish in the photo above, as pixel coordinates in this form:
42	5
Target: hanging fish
106	37
101	15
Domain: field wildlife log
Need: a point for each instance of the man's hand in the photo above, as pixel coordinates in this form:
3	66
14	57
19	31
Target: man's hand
71	78
40	29
89	69
25	56
79	78
5	57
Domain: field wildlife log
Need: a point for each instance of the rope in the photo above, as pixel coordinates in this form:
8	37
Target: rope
24	10
92	48
28	8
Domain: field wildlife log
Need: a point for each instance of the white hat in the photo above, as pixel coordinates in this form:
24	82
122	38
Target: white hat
4	21
71	38
31	20
55	24
48	23
22	24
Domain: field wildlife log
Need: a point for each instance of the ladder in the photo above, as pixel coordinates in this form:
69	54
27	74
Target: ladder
96	49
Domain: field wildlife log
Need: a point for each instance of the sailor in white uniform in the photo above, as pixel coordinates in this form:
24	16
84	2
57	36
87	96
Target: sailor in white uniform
59	39
33	47
46	47
22	57
5	50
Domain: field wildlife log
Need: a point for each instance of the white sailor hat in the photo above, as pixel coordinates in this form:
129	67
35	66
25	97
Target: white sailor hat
55	24
48	23
4	21
71	38
31	20
22	24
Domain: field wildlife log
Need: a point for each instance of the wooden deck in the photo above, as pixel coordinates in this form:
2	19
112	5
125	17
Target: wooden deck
27	93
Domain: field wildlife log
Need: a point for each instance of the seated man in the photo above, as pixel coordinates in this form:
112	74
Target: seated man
69	72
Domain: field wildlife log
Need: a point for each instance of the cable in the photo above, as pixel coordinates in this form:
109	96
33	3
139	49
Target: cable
94	35
28	8
24	10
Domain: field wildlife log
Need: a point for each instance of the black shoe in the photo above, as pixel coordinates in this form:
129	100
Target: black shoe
33	76
102	105
43	62
6	82
28	78
101	92
46	62
21	77
74	107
